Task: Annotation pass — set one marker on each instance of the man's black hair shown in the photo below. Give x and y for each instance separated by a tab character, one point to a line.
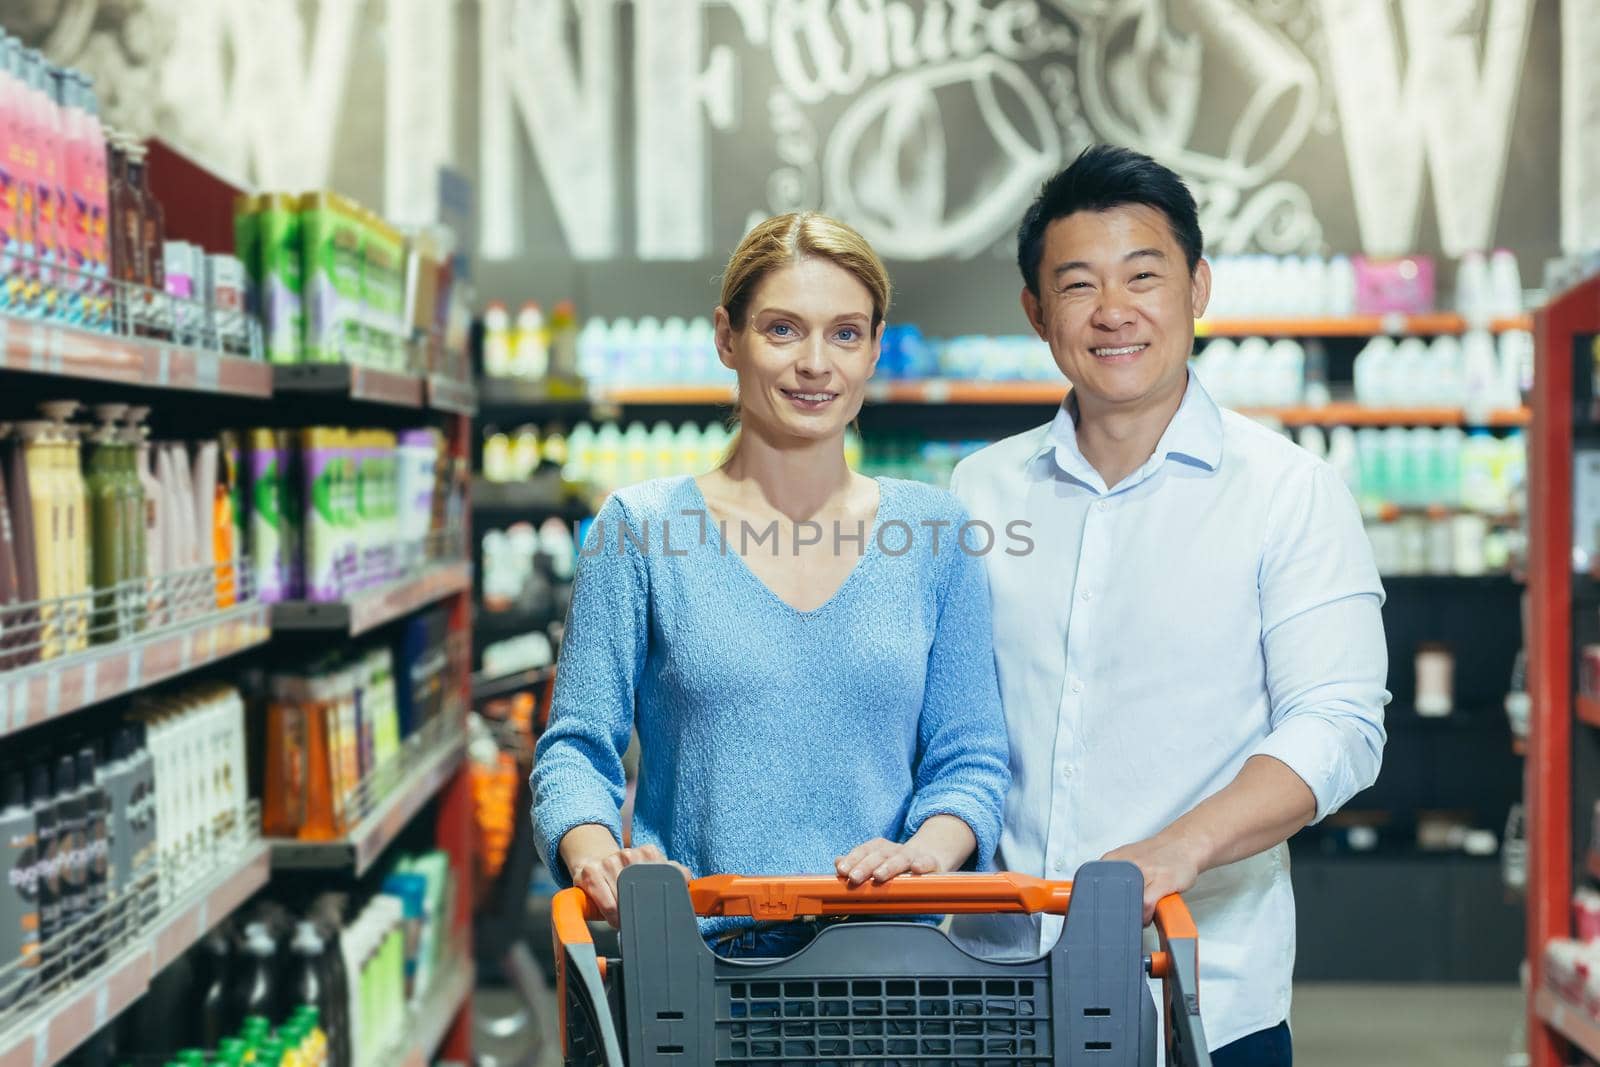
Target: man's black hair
1103	177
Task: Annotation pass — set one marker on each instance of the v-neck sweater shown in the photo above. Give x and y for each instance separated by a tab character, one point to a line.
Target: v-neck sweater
773	740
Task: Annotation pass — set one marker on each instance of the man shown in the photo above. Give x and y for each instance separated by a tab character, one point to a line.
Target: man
1192	657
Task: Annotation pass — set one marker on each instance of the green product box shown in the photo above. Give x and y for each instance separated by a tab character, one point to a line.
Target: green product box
332	236
283	278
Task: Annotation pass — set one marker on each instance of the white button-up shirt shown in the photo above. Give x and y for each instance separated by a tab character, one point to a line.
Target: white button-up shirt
1219	603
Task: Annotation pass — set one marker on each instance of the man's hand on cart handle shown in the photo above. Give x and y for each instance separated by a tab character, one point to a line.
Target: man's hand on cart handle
595	866
1169	865
941	844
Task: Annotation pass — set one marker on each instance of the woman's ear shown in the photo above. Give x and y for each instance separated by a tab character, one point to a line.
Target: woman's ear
877	348
723	328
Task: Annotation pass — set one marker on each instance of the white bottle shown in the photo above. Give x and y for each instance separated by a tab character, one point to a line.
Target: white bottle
1314	441
1314	299
1450	440
580	453
497	341
1288	378
530	354
663	451
1480	372
687	446
1473	301
714	445
700	354
555	541
1370	370
1422	463
1252	364
1214	367
671	355
1479	459
524	453
1343	457
607	469
1341	290
1505	284
621	357
593	341
635	454
1444	370
1408	386
647	351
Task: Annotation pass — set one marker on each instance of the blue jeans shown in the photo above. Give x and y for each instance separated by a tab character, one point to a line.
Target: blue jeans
1264	1048
774	941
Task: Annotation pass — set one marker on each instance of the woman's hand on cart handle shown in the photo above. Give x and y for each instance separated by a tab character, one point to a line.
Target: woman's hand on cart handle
595	869
941	844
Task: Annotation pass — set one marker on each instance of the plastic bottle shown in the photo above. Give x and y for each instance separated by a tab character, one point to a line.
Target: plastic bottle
497	341
49	524
1479	458
106	512
11	633
593	341
19	912
1505	284
96	165
218	956
47	838
530	354
1480	375
153	228
22	625
47	186
96	848
28	134
564	340
1450	441
268	469
1341	287
647	365
1409	386
254	993
71	804
11	149
1472	289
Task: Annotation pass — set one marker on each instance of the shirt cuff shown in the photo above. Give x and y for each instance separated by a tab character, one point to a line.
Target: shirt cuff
977	814
1314	748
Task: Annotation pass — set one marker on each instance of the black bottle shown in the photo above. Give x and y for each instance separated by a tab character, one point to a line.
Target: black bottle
69	847
95	859
47	846
214	1019
19	910
255	993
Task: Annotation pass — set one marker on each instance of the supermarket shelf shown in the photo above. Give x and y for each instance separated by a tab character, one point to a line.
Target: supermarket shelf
49	348
357	851
50	1033
1393	324
1570	1020
1360	415
43	691
664	395
516	393
492	688
536	497
1588	709
429	1022
350	382
372	608
448	394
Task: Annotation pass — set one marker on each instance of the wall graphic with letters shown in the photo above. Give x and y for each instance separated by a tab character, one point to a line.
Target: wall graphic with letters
647	133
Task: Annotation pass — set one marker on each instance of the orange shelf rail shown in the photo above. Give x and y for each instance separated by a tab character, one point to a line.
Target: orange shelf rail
1394	325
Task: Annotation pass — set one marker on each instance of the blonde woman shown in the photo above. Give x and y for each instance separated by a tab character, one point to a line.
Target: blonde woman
805	652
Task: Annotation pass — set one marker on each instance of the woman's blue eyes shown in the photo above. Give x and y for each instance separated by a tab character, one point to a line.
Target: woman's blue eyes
848	335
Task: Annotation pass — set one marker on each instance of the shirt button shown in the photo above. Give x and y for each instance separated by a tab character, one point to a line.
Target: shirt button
1102	506
1077	685
1085	595
1059	866
1066	770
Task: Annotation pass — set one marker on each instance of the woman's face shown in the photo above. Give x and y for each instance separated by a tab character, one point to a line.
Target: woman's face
805	352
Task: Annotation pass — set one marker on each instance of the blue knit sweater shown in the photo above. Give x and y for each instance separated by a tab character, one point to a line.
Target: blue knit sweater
772	740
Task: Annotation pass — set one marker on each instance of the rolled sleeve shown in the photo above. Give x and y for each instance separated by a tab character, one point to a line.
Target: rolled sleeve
963	751
1323	642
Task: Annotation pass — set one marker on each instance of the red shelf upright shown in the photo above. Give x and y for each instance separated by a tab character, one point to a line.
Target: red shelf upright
1548	783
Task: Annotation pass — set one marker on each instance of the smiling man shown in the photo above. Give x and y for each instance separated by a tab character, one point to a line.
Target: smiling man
1192	658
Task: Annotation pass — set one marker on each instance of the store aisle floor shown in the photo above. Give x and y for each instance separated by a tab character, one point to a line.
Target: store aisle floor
1340	1025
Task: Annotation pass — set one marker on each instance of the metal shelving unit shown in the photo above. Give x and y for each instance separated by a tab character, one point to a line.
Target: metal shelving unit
1563	771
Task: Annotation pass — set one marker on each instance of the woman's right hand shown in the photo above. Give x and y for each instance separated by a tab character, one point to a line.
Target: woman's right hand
595	862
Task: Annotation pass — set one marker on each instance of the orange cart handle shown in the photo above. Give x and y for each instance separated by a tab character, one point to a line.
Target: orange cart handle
781	898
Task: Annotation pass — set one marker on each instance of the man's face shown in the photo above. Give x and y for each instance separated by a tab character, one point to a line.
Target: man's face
1117	305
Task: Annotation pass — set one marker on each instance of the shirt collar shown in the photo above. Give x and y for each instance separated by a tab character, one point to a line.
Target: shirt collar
1194	435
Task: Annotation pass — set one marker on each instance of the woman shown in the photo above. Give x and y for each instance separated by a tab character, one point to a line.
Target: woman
809	692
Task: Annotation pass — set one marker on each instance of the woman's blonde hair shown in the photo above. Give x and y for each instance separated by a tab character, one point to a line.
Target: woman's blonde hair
786	239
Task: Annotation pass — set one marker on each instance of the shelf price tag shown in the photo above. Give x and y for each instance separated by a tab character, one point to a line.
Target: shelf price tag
163	366
91	680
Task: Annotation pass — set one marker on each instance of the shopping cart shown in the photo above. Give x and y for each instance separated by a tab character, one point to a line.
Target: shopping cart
877	993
